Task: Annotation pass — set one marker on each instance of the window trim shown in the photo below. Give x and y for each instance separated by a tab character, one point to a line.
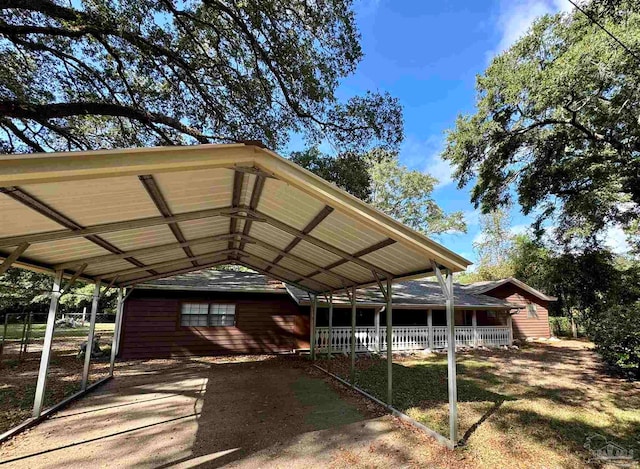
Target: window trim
532	314
209	304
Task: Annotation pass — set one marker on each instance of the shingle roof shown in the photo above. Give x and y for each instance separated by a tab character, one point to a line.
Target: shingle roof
488	285
217	280
414	292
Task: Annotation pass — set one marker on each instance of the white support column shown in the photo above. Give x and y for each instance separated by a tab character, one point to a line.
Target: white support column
474	323
46	347
330	325
376	326
313	311
116	331
389	343
126	295
510	324
92	328
430	327
451	361
353	336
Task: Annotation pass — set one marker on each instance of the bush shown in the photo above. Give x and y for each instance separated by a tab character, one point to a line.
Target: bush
617	338
561	327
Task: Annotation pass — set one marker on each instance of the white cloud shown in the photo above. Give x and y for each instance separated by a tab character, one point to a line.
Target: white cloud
424	155
518	229
516	17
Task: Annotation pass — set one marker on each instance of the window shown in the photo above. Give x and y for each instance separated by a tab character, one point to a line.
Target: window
491	314
532	313
204	314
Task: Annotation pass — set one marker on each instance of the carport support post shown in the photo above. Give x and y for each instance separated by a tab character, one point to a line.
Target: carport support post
92	328
46	346
389	340
116	331
312	326
376	326
474	323
430	329
353	336
451	360
330	325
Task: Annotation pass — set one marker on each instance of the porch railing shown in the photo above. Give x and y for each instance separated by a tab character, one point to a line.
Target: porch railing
410	338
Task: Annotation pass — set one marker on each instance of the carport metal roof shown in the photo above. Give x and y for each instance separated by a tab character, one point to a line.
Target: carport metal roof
132	215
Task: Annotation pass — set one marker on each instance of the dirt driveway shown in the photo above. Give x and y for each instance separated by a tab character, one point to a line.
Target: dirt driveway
207	413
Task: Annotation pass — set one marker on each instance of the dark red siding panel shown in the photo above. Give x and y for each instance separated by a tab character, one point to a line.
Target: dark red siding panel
523	326
265	323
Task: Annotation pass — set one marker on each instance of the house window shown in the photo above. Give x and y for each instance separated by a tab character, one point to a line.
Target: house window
205	314
532	313
491	314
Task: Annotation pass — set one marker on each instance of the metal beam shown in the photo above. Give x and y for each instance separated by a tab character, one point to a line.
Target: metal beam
238	180
321	244
389	313
324	213
151	186
108	258
46	346
289	272
330	346
256	193
313	312
115	226
116	331
451	362
302	261
173	272
11	258
248	265
163	264
90	335
74	277
353	336
45	210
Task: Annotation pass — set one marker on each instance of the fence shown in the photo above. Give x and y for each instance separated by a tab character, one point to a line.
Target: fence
410	338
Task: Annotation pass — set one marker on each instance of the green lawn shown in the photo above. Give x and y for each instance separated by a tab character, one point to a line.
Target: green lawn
535	407
14	331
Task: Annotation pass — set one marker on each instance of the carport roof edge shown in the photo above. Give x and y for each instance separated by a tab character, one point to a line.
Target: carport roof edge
249	163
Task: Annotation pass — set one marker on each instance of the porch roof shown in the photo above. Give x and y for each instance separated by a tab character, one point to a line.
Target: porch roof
130	215
412	293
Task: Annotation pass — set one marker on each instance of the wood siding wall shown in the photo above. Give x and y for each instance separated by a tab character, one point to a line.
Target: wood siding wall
523	326
265	323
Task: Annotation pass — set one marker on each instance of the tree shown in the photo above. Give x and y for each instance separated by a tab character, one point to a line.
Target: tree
406	195
349	171
557	124
493	248
95	74
379	178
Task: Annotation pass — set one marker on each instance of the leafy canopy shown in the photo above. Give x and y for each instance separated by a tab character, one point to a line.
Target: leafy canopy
556	125
379	178
101	73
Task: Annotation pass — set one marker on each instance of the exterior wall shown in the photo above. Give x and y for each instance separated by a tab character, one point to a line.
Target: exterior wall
523	326
265	323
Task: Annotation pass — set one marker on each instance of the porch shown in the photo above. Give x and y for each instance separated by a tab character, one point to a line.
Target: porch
372	339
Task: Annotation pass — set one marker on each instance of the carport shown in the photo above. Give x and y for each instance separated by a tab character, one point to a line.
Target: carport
121	217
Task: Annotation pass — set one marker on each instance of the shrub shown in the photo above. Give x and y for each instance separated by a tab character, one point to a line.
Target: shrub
561	327
616	334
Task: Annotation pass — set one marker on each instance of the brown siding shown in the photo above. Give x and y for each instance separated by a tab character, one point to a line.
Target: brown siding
265	323
523	326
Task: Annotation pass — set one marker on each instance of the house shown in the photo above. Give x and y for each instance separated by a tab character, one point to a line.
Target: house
216	312
531	319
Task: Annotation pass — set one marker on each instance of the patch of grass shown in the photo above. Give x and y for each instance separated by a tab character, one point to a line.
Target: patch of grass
14	331
326	408
533	407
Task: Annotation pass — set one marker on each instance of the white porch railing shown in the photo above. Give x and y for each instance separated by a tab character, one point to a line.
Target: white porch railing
410	338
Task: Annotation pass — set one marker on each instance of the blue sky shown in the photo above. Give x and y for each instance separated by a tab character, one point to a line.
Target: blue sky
427	54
